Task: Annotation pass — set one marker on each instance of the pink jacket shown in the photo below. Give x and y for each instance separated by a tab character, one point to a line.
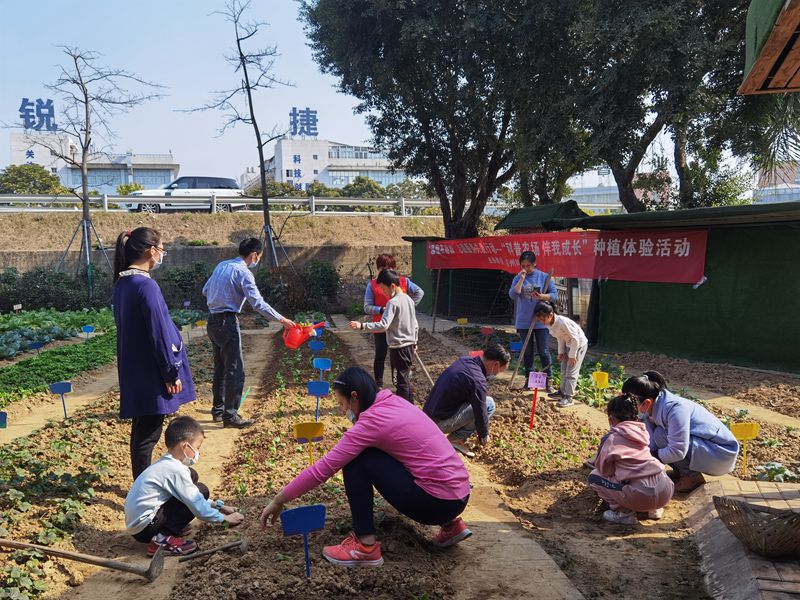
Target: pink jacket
402	430
625	455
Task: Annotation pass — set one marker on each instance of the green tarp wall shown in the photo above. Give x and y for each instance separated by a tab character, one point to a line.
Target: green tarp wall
747	313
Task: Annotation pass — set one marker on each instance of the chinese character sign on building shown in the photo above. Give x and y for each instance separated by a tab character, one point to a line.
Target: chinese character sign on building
38	115
657	256
303	121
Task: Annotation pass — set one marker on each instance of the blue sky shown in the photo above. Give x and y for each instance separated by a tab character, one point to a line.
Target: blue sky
177	44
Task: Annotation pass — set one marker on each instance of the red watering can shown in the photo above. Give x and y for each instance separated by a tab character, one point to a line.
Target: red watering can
296	336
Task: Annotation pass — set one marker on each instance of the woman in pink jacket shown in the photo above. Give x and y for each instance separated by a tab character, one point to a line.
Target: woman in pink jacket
626	475
396	449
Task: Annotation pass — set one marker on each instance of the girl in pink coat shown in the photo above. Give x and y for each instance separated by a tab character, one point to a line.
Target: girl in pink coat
626	475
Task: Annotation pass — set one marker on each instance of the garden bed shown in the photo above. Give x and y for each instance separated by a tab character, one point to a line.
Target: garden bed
540	476
267	458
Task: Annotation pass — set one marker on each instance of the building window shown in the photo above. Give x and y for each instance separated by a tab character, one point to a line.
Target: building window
289	172
315	156
53	170
316	171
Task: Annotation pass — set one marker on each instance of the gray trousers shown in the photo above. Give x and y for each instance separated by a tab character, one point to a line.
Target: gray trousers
462	423
569	375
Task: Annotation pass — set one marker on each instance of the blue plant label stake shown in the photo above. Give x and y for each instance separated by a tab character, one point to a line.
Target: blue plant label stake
318	389
316	346
323	364
61	388
35	346
3	419
186	304
87	329
301	521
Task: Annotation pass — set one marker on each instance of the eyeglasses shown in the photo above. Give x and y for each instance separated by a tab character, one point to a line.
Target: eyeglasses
160	249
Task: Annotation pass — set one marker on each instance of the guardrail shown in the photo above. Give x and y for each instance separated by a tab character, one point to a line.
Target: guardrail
213	203
314	205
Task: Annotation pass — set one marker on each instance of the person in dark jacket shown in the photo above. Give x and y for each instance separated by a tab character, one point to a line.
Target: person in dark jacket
458	403
153	368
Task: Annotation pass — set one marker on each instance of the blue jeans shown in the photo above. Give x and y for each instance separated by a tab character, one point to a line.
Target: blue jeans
462	423
540	340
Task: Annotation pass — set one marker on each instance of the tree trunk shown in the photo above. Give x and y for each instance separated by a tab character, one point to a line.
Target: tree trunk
627	195
685	188
525	187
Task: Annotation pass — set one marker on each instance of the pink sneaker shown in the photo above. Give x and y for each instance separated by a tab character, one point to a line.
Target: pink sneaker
352	553
173	546
452	533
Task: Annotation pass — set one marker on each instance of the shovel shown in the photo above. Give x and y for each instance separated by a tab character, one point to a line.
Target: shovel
149	572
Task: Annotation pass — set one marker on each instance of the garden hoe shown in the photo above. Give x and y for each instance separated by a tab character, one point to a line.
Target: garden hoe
150	572
241	544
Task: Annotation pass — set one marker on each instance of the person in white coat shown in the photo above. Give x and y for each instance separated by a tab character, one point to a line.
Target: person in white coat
572	345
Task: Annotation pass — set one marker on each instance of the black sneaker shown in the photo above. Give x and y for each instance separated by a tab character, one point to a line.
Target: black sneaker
216	418
238	423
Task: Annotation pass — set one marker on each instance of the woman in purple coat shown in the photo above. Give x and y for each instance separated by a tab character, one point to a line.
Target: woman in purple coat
154	377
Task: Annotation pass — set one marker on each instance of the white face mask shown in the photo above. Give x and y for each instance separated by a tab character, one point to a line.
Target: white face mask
253	264
191	461
158	261
351	416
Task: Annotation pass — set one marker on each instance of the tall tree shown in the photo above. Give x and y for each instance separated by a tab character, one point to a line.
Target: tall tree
428	78
91	95
255	68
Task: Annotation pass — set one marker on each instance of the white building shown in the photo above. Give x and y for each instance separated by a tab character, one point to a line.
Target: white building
595	191
300	162
106	170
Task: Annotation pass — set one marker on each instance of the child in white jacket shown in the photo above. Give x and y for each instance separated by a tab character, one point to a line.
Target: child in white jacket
572	345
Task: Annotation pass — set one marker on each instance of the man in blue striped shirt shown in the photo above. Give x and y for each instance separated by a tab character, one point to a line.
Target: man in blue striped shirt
230	285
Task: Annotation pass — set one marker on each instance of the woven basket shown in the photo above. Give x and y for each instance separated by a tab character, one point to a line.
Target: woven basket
767	531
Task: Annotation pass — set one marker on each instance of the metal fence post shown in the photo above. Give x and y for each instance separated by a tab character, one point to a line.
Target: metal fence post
213	203
105	202
311	204
402	206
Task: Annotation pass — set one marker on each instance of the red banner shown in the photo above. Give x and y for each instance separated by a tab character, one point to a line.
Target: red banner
641	255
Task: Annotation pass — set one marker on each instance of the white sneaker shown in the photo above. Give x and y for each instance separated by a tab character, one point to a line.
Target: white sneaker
564	403
655	514
621	518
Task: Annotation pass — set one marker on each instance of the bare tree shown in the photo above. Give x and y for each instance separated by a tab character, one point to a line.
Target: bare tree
255	70
91	95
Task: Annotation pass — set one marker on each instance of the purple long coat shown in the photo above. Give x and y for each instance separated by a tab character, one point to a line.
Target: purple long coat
150	350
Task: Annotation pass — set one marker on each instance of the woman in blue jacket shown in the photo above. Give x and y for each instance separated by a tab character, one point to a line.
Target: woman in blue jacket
527	290
154	377
683	434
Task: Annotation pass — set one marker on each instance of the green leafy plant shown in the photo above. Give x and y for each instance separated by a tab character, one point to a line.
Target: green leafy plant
775	471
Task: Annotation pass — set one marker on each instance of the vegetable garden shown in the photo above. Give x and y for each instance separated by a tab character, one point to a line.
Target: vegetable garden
64	484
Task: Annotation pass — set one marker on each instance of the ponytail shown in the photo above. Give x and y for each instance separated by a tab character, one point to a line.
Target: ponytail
544	308
624	407
649	385
131	246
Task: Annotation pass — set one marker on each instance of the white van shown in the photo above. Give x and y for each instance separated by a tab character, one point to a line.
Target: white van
189	187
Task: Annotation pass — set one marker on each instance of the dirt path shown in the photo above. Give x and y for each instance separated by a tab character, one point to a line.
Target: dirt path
33	413
26	416
510	563
217	448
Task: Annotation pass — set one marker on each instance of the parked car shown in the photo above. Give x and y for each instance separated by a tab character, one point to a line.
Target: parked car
188	187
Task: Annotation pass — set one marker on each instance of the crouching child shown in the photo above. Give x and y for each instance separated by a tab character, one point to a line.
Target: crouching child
167	496
626	474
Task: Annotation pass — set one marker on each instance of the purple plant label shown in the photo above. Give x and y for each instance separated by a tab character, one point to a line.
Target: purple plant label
537	380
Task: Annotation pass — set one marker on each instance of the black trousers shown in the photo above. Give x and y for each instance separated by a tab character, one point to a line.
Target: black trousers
375	468
400	360
226	340
381	349
145	433
173	516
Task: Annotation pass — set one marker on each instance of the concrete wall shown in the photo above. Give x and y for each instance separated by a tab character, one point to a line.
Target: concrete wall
351	262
